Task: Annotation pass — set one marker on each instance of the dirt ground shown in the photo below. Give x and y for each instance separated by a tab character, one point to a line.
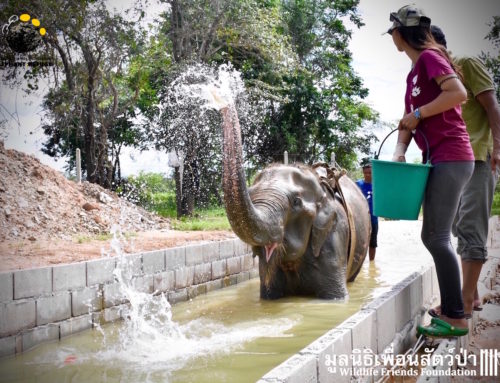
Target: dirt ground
24	254
46	219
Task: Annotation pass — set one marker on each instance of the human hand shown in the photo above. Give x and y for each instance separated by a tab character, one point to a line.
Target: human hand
495	159
399	152
409	122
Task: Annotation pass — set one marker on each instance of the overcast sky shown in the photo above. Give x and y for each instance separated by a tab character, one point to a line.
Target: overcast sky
382	68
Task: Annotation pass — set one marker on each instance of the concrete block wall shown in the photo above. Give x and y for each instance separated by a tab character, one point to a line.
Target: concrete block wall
384	326
48	303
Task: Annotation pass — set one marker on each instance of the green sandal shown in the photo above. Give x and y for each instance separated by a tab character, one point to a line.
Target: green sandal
441	329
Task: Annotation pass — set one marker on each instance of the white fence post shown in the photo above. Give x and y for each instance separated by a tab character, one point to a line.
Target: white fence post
285	157
78	166
332	159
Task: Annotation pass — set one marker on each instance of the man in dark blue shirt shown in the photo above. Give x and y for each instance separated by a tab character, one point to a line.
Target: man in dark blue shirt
366	187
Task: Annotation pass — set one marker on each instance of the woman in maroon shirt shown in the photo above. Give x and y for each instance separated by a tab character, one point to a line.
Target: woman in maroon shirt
432	107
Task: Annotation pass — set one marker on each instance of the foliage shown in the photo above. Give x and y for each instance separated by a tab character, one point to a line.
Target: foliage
203	219
152	191
492	62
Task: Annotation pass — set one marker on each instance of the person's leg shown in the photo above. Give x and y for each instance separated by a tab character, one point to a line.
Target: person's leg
373	241
444	188
472	229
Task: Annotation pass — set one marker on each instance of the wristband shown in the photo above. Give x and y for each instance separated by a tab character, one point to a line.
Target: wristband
417	114
400	151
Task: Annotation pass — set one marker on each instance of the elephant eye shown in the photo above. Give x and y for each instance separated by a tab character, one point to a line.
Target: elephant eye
297	202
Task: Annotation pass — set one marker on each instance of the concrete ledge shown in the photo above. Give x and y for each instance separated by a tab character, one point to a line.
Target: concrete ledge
385	325
45	304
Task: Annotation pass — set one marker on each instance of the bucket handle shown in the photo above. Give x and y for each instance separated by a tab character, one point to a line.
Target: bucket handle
413	133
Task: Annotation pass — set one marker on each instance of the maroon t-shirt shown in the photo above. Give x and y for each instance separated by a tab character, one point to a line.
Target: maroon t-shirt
446	132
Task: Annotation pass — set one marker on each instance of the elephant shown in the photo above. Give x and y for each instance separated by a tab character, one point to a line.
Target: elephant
308	225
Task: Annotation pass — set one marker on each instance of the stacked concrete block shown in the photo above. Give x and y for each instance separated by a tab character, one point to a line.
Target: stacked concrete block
6	286
384	326
48	303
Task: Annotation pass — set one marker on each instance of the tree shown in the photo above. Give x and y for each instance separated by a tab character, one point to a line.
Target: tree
92	106
491	62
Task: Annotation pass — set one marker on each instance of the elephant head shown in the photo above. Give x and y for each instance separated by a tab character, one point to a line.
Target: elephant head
296	223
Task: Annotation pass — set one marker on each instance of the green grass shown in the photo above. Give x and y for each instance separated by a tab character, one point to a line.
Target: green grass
99	237
495	209
206	219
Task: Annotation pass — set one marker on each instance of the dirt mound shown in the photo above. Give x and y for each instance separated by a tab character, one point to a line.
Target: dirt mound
38	203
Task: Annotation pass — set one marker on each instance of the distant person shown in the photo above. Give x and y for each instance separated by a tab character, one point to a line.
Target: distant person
432	106
481	114
365	185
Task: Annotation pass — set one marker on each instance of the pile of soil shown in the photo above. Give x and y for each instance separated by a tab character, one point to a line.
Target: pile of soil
46	218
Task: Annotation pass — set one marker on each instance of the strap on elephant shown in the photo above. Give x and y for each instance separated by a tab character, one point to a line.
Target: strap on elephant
332	184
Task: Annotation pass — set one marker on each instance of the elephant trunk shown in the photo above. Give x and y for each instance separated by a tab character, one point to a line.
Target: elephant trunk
245	219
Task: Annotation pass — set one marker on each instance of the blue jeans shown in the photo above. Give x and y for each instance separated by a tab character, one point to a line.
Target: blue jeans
444	188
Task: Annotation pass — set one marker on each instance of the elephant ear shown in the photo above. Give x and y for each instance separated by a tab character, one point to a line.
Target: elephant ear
324	221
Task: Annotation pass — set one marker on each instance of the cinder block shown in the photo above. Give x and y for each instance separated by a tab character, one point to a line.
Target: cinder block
100	271
416	297
226	249
427	297
38	335
254	273
164	281
184	277
202	273
113	295
247	262
130	265
75	325
297	369
143	284
194	291
86	300
233	265
175	258
386	322
218	269
363	329
6	287
331	351
177	296
210	252
16	316
153	261
403	309
114	313
240	247
194	255
32	282
242	277
53	308
214	285
69	277
7	346
230	280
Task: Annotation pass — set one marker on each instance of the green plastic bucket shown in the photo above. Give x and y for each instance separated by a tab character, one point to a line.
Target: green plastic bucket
398	187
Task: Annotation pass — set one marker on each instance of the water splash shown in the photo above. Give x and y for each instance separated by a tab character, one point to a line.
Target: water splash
150	341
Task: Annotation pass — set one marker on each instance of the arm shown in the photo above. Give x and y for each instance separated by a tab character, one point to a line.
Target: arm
452	93
489	102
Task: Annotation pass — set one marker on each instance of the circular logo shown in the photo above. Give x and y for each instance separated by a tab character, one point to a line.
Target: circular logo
23	33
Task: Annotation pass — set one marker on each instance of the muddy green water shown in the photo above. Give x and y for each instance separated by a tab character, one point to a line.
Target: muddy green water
228	335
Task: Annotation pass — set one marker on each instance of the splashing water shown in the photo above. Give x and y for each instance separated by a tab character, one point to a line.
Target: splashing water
149	339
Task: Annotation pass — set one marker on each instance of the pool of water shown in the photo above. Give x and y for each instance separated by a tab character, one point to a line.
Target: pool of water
228	335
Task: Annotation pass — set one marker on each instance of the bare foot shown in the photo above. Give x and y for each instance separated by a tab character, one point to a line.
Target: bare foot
459	323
